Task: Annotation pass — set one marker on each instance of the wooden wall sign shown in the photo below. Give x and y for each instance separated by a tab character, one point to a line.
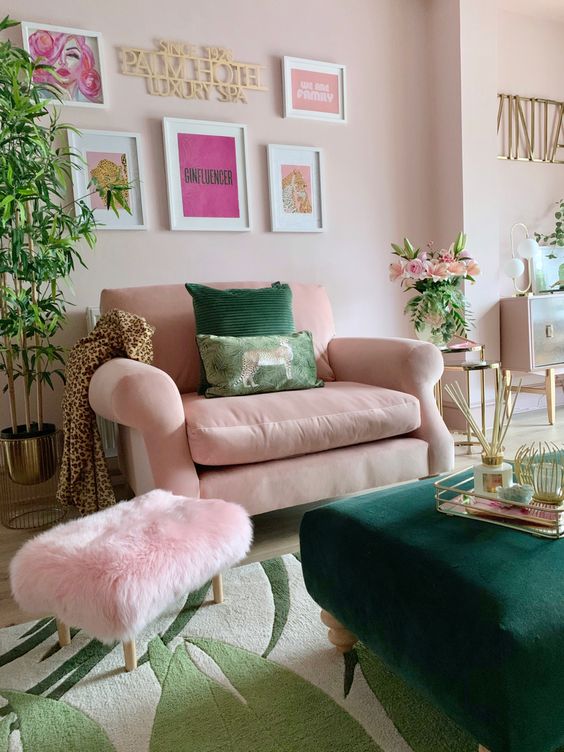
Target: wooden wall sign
191	72
530	129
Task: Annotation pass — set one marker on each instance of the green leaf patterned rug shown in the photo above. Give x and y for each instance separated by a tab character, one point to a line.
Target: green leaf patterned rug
254	674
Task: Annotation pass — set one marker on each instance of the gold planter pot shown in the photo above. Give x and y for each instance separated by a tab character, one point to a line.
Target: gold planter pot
29	471
33	459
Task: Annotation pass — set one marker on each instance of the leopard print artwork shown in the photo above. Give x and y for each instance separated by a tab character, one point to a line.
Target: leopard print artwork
84	480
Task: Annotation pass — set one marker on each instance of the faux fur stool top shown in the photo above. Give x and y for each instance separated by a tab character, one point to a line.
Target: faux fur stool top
115	571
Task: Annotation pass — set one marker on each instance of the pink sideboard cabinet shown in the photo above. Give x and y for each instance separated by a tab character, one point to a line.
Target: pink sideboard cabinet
532	341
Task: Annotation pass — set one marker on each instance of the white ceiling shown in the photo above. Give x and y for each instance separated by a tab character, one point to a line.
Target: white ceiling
540	8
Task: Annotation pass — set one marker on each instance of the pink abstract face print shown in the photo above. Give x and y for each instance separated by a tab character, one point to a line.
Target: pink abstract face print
75	61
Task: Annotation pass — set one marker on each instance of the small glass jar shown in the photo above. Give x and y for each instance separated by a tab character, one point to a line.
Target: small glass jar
491	473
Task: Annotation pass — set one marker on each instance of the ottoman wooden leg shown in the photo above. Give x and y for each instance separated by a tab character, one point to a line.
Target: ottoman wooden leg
338	635
217	585
63	631
130	655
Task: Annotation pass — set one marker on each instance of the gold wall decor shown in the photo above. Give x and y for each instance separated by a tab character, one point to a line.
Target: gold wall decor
530	129
191	72
541	465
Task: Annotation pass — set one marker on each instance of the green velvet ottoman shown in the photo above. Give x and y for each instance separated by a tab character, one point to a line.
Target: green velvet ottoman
470	613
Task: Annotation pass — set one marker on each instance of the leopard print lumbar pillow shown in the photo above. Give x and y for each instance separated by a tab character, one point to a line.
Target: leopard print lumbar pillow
236	366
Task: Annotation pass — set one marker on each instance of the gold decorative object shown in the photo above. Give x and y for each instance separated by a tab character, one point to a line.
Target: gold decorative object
191	72
541	465
455	495
34	459
23	506
530	128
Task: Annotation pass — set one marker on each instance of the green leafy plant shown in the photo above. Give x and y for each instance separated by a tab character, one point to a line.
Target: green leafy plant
40	230
439	306
556	238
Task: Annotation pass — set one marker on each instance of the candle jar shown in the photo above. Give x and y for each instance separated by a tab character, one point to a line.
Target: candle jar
491	473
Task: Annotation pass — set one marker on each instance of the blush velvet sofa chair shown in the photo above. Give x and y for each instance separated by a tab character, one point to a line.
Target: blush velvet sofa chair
375	421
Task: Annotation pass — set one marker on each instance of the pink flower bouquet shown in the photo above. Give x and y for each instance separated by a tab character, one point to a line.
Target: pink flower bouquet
439	310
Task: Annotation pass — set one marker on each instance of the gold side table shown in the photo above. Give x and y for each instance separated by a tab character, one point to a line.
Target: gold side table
457	346
468	368
461	345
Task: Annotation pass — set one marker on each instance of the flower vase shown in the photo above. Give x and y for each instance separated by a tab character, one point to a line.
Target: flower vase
432	330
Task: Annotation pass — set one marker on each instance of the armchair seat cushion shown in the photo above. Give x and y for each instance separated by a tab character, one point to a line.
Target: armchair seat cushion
262	427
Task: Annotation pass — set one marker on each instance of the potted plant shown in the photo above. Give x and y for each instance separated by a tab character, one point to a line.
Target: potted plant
439	309
554	241
40	232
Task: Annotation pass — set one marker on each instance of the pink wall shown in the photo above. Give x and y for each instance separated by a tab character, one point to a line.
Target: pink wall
531	61
446	131
377	166
478	54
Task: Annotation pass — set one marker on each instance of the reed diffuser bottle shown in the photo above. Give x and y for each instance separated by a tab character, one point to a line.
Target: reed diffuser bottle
492	472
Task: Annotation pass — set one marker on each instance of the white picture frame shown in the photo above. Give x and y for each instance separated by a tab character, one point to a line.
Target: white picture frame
122	150
86	85
296	183
207	175
314	90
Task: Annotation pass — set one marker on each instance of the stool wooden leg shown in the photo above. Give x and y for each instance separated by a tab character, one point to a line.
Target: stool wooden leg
130	655
217	585
338	635
550	388
63	631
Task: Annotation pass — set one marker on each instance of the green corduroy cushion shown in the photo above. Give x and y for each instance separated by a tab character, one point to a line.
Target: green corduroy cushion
236	366
241	312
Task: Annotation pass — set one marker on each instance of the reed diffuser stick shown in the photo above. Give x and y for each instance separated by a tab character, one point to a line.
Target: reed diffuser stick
503	414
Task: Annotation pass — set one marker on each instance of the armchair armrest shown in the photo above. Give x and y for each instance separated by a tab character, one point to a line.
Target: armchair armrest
405	365
143	397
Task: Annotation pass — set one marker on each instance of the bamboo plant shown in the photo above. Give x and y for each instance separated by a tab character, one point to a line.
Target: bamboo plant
40	232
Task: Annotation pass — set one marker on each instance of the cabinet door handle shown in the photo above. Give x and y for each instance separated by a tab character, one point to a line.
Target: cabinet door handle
549	330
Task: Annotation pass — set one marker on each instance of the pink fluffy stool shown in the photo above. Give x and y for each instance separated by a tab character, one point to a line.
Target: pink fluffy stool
115	571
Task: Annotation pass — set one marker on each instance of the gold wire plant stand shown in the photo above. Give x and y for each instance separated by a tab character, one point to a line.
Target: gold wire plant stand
29	507
455	495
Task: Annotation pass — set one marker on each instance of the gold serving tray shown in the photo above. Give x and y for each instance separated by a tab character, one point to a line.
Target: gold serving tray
455	495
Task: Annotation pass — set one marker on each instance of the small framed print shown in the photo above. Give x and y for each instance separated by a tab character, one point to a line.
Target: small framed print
77	58
206	168
314	90
295	176
111	158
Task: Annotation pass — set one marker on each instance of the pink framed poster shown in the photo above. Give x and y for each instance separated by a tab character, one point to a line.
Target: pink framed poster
76	58
314	90
206	165
296	188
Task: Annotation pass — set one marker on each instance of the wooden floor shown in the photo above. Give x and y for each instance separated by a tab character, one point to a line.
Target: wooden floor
276	533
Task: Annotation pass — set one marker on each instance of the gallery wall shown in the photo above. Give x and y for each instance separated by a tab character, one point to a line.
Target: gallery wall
377	164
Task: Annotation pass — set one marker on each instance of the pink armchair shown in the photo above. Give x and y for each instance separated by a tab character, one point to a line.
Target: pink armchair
375	422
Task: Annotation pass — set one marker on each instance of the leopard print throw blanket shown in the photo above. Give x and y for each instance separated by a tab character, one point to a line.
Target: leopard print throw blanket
84	480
